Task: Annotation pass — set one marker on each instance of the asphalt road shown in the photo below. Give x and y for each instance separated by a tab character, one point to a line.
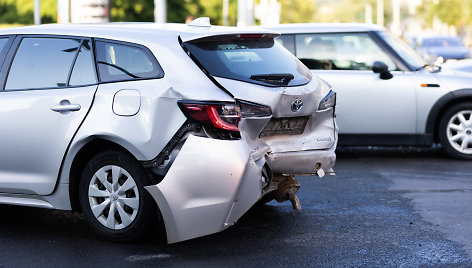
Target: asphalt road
389	207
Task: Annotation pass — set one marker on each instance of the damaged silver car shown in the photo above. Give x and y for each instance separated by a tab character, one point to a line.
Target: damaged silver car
146	125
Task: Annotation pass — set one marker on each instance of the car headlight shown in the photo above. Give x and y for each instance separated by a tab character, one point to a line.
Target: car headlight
328	101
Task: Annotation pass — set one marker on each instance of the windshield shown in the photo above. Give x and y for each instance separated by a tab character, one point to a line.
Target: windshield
254	58
403	50
442	42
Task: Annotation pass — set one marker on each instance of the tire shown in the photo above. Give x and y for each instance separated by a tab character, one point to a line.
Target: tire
135	212
455	131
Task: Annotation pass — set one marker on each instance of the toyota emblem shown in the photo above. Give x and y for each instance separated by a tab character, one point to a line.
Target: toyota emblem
297	105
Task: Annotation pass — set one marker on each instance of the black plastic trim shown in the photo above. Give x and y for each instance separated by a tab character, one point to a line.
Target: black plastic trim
444	103
188	126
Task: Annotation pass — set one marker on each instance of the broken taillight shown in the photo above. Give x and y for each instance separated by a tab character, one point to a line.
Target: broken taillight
223	115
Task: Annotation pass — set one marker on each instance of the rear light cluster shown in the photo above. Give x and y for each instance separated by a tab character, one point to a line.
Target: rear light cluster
223	115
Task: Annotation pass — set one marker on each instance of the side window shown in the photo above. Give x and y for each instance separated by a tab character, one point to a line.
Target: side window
42	63
117	61
3	42
288	41
83	73
344	51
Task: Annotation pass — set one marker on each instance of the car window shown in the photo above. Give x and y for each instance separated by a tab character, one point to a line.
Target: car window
288	41
253	58
83	73
125	62
340	51
42	63
406	52
3	42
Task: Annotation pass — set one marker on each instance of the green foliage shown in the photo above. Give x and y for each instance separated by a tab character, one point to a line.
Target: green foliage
22	11
296	11
456	13
349	10
136	10
143	10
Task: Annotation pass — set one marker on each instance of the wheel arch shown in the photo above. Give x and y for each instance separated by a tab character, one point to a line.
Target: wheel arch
84	154
441	105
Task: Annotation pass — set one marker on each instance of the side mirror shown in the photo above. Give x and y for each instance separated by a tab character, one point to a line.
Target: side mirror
381	68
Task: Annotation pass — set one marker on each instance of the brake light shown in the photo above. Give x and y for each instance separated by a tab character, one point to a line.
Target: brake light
223	116
247	36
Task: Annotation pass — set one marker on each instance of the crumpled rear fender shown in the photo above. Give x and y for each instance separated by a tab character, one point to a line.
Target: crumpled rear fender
210	185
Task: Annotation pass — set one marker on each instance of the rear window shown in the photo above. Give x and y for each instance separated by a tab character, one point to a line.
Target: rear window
252	58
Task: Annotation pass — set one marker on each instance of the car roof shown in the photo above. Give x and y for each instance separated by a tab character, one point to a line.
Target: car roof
120	30
324	27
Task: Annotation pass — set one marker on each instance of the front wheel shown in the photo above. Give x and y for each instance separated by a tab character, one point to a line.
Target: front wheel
455	131
113	199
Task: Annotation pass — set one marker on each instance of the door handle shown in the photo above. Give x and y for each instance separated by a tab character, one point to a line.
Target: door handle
66	107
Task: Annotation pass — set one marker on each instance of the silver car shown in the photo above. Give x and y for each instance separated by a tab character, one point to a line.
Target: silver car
138	125
386	94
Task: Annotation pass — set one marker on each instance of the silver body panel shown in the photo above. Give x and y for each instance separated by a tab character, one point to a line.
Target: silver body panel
210	184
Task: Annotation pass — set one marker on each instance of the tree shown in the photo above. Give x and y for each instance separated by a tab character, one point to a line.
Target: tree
22	11
452	12
143	10
295	11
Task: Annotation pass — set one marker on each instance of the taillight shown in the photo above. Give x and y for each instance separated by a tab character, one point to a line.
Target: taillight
221	115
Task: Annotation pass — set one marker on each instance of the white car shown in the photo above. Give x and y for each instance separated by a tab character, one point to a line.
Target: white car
386	94
138	125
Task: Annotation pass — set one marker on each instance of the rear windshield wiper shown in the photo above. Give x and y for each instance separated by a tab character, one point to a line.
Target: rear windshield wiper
277	79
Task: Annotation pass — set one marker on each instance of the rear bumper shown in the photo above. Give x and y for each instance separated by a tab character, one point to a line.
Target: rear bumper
210	185
303	162
212	182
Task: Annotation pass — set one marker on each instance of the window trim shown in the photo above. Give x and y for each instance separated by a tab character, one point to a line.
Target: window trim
14	49
145	49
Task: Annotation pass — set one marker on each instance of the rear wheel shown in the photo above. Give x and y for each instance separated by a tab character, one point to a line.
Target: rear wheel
455	131
113	199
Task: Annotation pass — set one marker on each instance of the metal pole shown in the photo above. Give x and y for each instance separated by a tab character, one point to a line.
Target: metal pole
160	11
225	12
380	12
396	27
242	12
37	12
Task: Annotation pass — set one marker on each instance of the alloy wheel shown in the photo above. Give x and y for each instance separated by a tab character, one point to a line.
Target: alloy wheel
459	131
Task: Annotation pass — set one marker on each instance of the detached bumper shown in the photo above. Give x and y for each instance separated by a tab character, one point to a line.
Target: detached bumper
210	185
302	162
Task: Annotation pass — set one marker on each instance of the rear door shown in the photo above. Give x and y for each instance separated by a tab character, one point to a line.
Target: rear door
48	87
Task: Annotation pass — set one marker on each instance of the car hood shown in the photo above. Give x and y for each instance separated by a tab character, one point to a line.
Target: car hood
453	80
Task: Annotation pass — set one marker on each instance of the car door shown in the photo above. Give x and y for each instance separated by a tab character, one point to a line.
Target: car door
366	104
48	87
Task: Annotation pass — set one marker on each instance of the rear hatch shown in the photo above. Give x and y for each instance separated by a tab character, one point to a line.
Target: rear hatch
253	67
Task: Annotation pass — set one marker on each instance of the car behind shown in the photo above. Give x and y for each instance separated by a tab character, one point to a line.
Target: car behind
387	95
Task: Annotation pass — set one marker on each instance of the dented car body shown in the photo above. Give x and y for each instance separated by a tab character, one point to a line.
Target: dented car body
189	124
